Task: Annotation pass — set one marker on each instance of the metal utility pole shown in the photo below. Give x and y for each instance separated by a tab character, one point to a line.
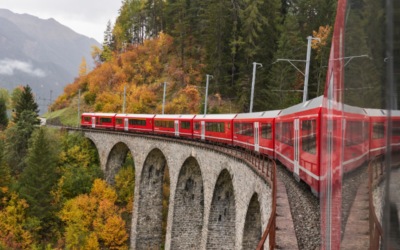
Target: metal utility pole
205	101
307	61
50	103
252	85
79	107
163	102
124	99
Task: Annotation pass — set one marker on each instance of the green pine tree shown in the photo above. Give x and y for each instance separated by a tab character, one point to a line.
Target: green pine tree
3	114
284	77
17	140
39	177
5	178
26	102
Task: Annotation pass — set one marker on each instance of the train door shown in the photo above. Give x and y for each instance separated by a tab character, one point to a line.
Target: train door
203	130
296	149
176	128
93	122
256	137
126	124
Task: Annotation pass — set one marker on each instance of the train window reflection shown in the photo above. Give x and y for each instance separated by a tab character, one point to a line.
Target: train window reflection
266	131
309	136
396	128
246	129
285	133
354	133
378	130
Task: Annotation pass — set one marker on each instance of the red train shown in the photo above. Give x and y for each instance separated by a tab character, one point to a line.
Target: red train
292	135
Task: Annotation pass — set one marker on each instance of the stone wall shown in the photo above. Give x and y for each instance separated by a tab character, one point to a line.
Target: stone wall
198	177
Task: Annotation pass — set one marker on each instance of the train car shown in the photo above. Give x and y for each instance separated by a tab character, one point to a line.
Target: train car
395	139
135	122
297	141
217	128
255	131
176	125
98	120
377	131
356	137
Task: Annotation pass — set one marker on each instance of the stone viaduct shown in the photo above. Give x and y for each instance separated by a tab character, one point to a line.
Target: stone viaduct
217	201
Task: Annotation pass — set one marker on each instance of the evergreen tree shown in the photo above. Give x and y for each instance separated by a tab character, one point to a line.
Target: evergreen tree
39	178
3	114
17	139
26	102
284	77
107	36
5	178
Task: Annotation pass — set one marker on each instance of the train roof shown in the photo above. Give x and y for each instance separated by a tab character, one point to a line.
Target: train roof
376	112
310	104
354	110
174	116
382	112
265	114
100	114
136	115
215	117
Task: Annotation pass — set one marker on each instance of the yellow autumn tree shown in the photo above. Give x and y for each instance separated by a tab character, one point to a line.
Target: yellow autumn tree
94	221
83	68
322	34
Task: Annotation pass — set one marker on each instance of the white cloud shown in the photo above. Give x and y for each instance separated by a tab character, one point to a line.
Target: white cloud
7	67
88	17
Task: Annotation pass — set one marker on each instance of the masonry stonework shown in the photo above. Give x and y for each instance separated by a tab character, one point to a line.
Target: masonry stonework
187	223
222	219
213	165
149	222
252	227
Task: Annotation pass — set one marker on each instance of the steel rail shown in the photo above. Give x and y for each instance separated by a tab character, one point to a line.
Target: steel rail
266	168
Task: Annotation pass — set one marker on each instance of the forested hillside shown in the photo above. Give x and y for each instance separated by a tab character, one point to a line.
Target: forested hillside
52	190
180	41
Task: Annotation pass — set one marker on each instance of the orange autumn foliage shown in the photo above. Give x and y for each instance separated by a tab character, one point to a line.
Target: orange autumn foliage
141	68
94	220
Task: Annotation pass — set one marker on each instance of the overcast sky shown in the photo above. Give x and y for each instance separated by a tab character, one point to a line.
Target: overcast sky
86	17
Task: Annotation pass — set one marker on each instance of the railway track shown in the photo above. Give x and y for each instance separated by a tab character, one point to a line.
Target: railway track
305	210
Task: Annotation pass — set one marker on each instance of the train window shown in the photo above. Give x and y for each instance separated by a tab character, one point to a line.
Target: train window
105	120
164	124
366	131
137	122
229	125
87	118
396	128
119	121
197	126
266	131
215	127
354	135
309	136
378	130
284	133
246	129
185	125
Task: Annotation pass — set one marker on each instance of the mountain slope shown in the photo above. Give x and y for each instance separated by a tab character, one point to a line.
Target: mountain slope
54	41
42	53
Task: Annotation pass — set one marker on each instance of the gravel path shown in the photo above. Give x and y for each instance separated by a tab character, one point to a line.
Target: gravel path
304	207
350	183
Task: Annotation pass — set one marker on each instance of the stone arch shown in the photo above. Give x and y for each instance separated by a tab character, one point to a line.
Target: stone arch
252	228
222	218
187	223
116	158
150	201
